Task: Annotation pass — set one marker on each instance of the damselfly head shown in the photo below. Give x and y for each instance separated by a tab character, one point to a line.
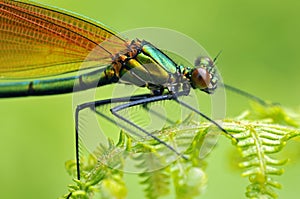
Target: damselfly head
203	75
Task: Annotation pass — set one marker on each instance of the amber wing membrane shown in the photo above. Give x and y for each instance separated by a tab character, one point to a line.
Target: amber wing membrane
39	41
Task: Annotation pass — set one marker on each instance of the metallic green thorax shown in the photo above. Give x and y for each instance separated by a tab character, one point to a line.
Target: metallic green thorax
146	66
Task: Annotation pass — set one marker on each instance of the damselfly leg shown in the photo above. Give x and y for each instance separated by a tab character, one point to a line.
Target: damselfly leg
130	102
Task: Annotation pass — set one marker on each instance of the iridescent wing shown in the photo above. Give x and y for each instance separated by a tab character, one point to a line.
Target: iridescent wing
40	41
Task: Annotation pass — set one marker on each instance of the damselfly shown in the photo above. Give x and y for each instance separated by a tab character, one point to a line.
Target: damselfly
46	43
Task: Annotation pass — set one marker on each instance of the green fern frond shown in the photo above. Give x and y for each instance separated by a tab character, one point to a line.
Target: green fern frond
188	177
98	176
156	183
262	133
152	170
273	114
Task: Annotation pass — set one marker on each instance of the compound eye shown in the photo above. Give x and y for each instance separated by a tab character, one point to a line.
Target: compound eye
200	78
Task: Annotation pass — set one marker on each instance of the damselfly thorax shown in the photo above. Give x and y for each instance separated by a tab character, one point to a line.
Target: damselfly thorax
144	65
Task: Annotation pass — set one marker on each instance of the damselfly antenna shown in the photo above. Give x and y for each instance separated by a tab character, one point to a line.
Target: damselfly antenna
240	91
217	56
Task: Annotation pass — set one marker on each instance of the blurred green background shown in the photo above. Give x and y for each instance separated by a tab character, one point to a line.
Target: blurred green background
260	42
